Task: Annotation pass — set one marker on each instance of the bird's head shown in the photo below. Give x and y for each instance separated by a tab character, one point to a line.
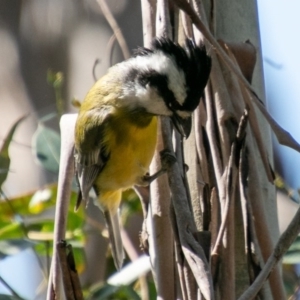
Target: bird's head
166	80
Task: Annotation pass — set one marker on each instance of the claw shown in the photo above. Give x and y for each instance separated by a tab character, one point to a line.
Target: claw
167	159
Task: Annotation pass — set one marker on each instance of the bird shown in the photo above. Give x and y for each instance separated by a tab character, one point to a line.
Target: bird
116	127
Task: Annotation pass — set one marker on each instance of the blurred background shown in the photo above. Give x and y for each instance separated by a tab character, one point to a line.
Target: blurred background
39	38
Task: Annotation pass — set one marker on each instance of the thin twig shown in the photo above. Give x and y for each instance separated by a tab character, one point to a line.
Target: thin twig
241	93
10	288
192	250
280	249
284	137
249	227
96	63
110	48
211	134
231	178
115	27
186	7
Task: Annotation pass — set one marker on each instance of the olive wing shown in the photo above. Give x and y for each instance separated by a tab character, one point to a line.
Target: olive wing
90	156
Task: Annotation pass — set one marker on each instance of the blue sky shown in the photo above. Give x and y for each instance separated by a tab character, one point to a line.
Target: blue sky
279	26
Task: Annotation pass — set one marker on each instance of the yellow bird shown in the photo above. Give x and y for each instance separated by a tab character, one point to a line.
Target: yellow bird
116	128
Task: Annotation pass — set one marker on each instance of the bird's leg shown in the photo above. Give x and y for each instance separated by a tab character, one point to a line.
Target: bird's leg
167	160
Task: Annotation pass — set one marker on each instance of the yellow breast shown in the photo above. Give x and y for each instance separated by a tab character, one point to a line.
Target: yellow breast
131	144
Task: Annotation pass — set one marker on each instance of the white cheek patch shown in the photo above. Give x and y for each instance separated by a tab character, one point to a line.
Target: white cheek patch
164	65
136	95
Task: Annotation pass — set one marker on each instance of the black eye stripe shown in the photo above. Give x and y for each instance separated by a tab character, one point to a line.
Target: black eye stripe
160	82
195	64
193	61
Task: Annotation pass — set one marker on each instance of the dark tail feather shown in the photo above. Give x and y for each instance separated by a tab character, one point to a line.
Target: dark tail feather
78	201
112	221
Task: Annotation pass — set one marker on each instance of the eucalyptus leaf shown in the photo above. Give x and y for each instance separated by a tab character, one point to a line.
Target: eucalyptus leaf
11	230
46	145
4	155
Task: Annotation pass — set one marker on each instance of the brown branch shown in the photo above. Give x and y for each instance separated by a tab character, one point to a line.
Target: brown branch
192	250
71	282
231	179
186	7
284	137
246	52
280	249
211	134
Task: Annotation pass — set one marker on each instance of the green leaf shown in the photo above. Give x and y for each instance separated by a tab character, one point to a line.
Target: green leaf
4	156
11	230
46	144
28	204
35	211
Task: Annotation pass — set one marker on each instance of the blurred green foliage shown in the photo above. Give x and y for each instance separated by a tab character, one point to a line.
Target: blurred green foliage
27	220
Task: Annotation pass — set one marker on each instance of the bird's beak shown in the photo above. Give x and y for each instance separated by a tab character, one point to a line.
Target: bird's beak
183	125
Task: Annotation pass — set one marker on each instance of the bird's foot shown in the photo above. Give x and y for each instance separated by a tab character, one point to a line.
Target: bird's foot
167	160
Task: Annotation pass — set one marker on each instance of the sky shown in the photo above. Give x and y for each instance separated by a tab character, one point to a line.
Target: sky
279	26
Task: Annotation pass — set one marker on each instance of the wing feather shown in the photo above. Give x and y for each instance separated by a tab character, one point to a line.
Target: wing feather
89	155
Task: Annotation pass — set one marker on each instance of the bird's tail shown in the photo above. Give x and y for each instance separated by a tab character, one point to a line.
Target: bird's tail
113	225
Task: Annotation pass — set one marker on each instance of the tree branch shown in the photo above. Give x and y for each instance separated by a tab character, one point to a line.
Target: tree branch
66	173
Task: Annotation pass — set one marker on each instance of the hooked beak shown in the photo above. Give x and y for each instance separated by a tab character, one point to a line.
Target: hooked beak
183	125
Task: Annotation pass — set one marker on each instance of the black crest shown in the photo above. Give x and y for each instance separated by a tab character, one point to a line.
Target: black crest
194	62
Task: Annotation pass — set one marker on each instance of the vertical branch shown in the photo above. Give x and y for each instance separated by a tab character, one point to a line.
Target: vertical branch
158	224
193	176
163	25
192	250
66	173
148	18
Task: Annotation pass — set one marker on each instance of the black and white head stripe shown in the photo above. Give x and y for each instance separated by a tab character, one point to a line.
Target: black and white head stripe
177	75
195	64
